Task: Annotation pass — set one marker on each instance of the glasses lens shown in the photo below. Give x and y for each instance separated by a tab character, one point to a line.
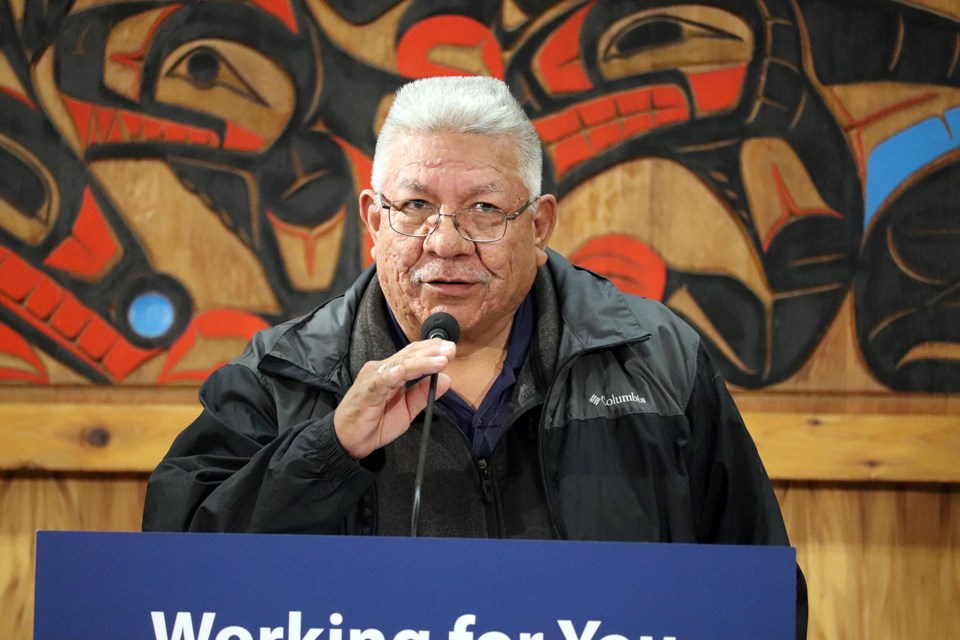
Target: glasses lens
419	219
413	218
482	224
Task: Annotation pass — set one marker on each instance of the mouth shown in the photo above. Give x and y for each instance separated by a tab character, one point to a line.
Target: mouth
451	279
451	288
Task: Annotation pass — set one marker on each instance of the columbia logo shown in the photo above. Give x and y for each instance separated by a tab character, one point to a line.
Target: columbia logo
612	400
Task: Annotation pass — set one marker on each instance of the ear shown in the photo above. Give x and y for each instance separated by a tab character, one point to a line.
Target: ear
370	213
543	223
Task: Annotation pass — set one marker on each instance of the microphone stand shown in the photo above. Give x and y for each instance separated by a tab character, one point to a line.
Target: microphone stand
438	325
421	461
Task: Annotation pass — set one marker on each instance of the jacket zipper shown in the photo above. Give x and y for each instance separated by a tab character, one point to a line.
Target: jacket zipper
491	497
486	484
488	488
558	528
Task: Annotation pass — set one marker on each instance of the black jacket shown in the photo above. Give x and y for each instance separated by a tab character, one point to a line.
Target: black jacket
620	428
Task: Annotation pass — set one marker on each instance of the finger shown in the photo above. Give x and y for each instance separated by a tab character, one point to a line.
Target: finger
388	377
386	382
426	348
418	394
407	365
415	367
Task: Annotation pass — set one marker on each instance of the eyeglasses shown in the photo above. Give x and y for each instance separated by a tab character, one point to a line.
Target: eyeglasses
418	219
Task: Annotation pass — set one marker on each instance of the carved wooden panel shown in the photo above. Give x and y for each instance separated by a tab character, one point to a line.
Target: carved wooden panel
177	175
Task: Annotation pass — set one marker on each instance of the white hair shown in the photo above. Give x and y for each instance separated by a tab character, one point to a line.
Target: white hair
460	105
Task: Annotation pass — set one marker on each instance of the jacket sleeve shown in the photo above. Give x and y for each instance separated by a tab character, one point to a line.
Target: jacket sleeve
734	499
235	470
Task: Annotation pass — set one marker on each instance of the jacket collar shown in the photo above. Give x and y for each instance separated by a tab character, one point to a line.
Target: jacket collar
594	313
314	348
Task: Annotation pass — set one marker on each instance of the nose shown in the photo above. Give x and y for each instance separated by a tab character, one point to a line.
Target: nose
445	240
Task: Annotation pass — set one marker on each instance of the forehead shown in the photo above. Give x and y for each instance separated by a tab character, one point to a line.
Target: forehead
472	163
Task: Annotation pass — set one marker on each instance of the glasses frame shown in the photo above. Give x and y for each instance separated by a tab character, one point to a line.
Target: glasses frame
507	217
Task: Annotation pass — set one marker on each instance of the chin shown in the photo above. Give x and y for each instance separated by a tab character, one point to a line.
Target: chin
464	318
461	317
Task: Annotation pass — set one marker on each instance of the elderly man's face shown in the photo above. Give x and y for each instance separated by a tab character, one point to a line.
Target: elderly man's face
481	284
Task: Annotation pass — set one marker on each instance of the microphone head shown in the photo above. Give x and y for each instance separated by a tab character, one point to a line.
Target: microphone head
440	325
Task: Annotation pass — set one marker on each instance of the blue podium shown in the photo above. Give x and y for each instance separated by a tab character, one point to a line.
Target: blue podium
171	586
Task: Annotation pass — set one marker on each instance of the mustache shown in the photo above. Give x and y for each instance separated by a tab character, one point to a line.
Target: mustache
450	272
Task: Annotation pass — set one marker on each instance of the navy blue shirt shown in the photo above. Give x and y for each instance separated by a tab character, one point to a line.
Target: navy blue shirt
483	426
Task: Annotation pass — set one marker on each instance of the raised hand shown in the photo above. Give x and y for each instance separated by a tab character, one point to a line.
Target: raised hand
379	407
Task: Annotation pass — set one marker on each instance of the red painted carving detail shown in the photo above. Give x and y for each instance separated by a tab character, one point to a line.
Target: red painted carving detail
415	47
98	125
97	338
17	278
56	313
91	245
281	10
45	297
717	90
70	318
13	345
579	132
217	323
239	139
627	262
559	61
13	93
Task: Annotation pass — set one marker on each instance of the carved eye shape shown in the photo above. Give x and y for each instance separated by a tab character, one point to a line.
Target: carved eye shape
651	33
655	32
688	38
205	68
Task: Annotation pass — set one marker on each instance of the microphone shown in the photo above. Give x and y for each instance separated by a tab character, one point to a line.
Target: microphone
438	325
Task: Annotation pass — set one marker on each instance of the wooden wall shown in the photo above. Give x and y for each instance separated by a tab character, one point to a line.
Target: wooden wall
768	170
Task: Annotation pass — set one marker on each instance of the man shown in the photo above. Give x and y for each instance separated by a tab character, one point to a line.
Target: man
568	409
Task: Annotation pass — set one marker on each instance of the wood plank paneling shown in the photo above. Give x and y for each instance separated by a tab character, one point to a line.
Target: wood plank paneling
882	560
795	445
91	437
31	501
813	446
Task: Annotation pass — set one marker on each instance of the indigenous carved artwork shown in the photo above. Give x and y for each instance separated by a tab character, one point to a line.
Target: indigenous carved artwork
176	175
